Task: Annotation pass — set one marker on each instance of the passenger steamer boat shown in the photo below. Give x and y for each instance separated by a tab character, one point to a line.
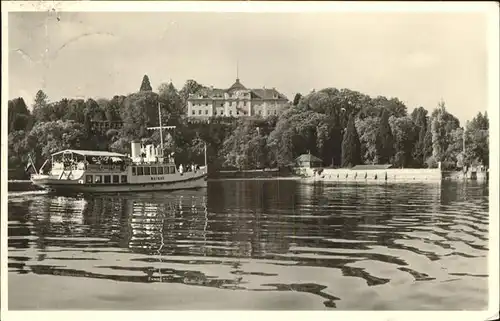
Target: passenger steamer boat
99	171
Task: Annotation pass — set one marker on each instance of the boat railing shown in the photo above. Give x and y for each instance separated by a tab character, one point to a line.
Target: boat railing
107	168
68	167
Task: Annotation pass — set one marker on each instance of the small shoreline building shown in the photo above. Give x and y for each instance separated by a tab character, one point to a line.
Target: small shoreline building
236	101
308	161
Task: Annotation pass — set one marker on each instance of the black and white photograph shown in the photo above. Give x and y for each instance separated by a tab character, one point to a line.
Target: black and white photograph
249	156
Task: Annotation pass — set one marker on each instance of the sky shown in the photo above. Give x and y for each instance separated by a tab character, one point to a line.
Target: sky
419	58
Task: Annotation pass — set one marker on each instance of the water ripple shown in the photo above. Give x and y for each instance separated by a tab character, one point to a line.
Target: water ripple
335	242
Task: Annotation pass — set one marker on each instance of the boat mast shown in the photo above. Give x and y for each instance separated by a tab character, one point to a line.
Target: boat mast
206	165
161	129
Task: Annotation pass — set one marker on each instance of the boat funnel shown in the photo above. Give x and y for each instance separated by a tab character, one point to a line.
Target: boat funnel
135	147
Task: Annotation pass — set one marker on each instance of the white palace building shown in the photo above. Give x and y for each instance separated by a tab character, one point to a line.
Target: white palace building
236	101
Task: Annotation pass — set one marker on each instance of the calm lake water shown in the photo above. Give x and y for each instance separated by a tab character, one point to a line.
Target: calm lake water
254	244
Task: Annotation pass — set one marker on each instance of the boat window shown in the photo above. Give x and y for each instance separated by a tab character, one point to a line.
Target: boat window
160	170
147	171
140	171
153	170
133	170
116	179
124	178
172	169
88	179
98	179
167	170
107	179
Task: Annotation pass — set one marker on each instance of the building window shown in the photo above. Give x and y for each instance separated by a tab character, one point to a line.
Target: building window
147	171
160	170
140	171
98	179
116	179
124	178
133	171
153	170
193	112
199	112
206	111
88	179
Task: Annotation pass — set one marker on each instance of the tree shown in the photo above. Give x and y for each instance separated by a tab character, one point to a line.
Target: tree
113	108
477	140
454	152
145	85
442	126
53	136
94	111
384	145
41	99
171	101
140	111
332	107
190	87
40	112
351	146
19	117
394	107
296	99
405	135
427	150
419	117
17	154
246	147
367	129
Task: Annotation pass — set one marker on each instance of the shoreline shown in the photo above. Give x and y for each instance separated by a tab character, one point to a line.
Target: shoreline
393	175
348	175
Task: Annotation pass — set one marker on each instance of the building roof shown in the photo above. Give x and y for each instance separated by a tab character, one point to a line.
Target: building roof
308	158
237	86
264	93
96	153
259	93
368	167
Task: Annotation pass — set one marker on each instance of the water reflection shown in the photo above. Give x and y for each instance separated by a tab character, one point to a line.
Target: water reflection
329	240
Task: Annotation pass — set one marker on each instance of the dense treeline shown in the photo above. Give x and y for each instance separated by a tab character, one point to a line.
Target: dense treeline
343	127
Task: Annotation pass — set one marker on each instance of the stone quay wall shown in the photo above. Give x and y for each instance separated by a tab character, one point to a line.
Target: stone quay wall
389	175
373	175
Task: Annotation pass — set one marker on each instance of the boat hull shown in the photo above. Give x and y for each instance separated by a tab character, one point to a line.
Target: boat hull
74	186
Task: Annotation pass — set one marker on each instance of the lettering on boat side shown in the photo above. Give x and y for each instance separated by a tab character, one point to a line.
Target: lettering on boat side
157	178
